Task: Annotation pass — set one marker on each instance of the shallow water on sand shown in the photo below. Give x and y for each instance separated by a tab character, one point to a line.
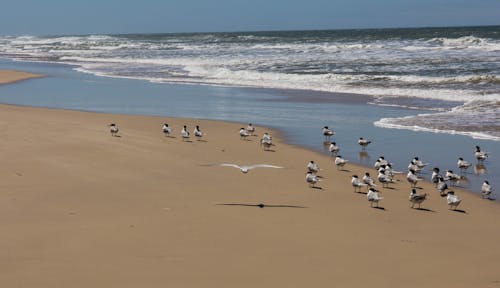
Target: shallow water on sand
300	121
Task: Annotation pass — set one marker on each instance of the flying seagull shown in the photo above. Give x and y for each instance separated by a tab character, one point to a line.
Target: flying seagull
246	169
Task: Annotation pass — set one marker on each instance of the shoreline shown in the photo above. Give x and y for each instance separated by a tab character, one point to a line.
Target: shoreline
13	76
148	209
278	132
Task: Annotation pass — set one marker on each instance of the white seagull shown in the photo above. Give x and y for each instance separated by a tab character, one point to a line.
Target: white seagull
419	163
328	133
266	141
384	179
197	132
312	179
452	177
313	167
113	129
373	196
486	189
340	162
357	184
452	200
250	129
334	149
184	133
463	165
368	180
245	169
412	178
363	142
166	129
243	134
435	175
416	198
441	186
480	155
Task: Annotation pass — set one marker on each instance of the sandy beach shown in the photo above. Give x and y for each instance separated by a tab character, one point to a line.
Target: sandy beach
79	208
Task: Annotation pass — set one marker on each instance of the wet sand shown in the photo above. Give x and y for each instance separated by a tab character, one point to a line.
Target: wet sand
80	208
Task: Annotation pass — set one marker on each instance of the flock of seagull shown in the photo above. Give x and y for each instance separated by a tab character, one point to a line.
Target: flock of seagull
386	175
384	168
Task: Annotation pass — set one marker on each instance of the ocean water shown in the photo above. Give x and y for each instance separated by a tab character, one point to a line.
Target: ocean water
298	114
449	76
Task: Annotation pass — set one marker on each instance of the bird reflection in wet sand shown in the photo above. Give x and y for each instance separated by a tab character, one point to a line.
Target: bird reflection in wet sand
480	169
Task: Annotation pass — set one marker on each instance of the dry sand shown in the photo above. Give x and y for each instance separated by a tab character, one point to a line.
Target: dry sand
79	208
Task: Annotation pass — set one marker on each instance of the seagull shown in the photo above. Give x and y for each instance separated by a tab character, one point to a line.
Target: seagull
384	179
368	180
453	200
197	132
246	169
413	166
334	149
266	141
486	189
357	184
463	165
250	129
113	129
340	162
435	175
166	130
480	155
412	178
419	163
441	186
373	196
380	162
243	134
416	198
328	133
363	142
312	179
313	167
452	177
184	133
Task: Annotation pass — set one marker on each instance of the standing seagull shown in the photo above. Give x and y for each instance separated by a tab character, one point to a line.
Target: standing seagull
166	130
384	179
416	198
357	184
480	155
452	177
486	189
246	169
373	197
412	178
312	179
441	186
266	141
463	165
368	180
243	134
334	149
113	129
184	133
197	132
340	162
363	143
453	200
250	129
435	175
328	133
313	167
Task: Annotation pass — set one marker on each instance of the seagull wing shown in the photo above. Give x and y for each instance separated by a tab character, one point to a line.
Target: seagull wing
229	165
263	166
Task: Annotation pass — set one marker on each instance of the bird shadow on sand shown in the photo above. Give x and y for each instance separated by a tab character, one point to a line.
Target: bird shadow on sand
118	136
379	208
361	192
459	211
173	137
188	141
344	170
316	187
269	150
260	205
201	140
424	209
